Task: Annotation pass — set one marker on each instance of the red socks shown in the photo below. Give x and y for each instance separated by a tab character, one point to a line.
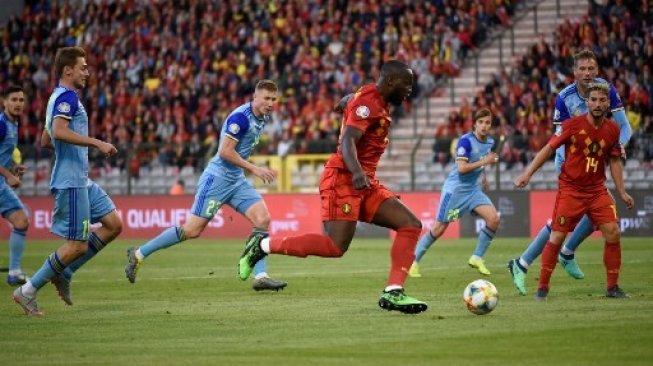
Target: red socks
305	245
612	261
402	254
549	261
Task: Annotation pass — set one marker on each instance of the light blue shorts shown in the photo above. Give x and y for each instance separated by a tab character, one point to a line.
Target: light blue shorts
9	201
213	192
72	213
101	204
454	205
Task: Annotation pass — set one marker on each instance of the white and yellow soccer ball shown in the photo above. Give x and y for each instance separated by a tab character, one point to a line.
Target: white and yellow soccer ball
481	297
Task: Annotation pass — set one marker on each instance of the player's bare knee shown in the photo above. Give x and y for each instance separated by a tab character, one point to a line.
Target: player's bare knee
340	248
414	222
192	231
612	233
115	228
263	220
21	224
493	222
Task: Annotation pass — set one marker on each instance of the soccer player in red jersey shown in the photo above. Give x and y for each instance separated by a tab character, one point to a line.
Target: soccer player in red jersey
350	192
589	141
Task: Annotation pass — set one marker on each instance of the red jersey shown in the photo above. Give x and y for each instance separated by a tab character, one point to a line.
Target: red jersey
368	112
586	150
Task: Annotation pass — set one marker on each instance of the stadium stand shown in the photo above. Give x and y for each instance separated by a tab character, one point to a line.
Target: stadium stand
166	74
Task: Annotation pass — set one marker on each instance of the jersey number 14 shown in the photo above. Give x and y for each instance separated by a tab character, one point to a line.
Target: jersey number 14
591	163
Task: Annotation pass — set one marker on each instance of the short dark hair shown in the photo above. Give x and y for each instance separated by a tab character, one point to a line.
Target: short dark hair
12	89
585	54
268	85
393	68
67	56
483	112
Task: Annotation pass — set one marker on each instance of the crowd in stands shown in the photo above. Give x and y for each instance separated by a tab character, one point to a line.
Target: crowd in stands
621	35
165	74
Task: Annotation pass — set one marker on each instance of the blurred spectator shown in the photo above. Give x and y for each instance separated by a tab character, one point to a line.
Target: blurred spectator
168	69
177	188
619	32
442	147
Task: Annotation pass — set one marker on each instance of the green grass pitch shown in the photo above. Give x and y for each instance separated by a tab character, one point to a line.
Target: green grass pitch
189	308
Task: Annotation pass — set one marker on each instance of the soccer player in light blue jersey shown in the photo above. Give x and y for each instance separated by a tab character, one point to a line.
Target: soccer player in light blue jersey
223	182
571	102
462	193
11	208
77	202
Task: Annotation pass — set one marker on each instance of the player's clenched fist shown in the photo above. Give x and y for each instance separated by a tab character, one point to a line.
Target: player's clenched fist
107	149
491	158
522	181
266	175
360	180
628	200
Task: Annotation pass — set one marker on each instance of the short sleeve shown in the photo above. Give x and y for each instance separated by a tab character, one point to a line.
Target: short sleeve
561	136
236	126
65	106
616	149
615	100
360	114
561	113
463	149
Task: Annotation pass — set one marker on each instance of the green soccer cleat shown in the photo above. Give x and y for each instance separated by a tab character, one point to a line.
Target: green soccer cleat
62	284
132	264
571	267
28	303
414	271
252	254
397	300
266	283
479	264
518	276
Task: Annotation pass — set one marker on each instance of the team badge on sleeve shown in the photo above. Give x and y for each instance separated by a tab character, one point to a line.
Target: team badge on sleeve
556	115
234	128
63	107
363	111
461	151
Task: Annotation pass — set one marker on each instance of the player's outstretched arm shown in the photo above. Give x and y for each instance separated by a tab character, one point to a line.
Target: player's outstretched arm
536	164
350	155
228	152
616	170
61	131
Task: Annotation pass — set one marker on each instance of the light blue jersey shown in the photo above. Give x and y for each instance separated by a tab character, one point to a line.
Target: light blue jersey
8	142
243	127
462	193
9	201
223	182
569	103
470	149
71	161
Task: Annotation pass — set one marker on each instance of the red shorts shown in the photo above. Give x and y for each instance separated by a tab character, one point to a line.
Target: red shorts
342	202
571	205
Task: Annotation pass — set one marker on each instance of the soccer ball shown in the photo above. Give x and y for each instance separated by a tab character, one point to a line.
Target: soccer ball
481	297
